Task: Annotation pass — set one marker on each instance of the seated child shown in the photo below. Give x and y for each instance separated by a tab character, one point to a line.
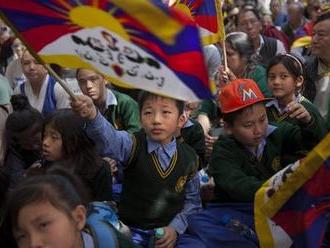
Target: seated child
160	184
50	211
23	139
243	160
285	81
65	140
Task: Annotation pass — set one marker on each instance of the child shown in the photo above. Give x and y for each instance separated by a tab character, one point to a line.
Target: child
285	80
160	185
64	140
50	211
242	161
23	139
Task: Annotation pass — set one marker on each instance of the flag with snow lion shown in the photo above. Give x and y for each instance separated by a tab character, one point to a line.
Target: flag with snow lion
292	208
138	44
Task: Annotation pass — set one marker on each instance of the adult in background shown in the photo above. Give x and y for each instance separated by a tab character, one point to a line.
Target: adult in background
42	91
318	66
6	53
14	72
294	27
279	18
249	22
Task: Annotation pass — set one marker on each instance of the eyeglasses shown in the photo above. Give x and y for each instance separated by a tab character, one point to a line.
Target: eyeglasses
246	23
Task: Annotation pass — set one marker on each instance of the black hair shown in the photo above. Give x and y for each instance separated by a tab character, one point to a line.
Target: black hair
79	150
146	95
292	63
241	43
23	118
323	17
60	188
230	118
246	8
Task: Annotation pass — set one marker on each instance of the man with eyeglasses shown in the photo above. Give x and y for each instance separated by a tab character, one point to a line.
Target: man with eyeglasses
317	87
249	22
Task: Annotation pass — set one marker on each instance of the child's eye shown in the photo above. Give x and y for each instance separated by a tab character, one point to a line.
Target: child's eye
166	112
54	136
284	76
247	125
44	225
147	112
20	237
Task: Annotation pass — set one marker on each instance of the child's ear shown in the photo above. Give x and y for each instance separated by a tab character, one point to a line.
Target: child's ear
182	120
299	82
79	216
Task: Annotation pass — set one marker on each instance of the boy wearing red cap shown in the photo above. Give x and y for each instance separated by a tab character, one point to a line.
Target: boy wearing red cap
242	161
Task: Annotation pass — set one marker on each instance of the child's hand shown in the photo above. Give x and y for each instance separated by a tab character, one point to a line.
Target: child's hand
298	111
112	164
209	142
84	106
169	238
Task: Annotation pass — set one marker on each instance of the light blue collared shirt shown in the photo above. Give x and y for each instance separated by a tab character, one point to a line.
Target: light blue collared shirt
118	145
188	123
275	103
260	149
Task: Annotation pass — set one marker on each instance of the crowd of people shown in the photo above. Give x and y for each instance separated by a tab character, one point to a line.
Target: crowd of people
114	167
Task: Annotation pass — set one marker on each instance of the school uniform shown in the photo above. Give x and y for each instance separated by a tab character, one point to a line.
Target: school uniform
161	186
276	115
51	96
122	111
192	134
238	173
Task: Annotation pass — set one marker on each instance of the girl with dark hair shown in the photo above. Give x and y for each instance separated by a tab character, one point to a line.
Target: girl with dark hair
243	62
64	140
23	139
51	211
285	80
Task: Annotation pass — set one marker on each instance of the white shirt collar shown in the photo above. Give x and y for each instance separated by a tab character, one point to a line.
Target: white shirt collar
110	98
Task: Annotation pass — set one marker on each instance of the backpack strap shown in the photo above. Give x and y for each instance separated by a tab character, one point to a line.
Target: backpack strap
102	221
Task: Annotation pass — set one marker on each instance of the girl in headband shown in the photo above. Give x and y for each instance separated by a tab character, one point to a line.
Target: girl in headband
285	75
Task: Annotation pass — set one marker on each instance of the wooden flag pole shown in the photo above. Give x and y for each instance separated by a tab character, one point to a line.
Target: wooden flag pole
60	81
222	35
224	54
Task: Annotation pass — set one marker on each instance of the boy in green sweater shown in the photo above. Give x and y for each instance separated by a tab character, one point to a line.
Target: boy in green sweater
243	160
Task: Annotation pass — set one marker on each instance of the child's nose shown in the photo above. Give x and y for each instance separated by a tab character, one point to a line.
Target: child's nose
257	129
156	118
35	241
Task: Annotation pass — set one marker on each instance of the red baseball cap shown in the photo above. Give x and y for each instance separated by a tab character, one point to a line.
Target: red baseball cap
239	94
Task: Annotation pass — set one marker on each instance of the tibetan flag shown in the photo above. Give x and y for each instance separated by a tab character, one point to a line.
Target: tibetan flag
292	207
207	15
138	44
